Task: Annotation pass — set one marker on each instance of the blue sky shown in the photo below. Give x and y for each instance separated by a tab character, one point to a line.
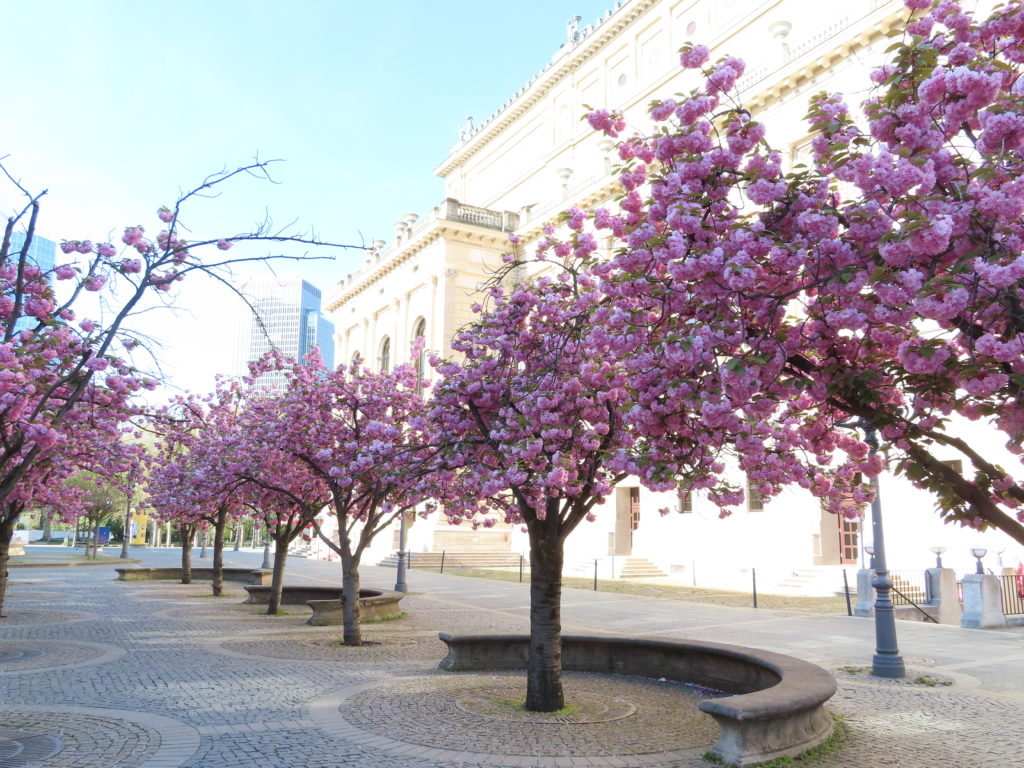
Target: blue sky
115	105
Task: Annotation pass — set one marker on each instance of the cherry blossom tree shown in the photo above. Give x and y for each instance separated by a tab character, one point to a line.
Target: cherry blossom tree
192	480
532	429
359	438
61	370
761	311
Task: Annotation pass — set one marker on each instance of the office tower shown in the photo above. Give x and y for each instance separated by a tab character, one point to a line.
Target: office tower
285	316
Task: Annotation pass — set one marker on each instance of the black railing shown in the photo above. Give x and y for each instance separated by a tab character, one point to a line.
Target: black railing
898	598
1013	594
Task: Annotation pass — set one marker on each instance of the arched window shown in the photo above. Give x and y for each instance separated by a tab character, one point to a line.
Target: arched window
384	359
419	333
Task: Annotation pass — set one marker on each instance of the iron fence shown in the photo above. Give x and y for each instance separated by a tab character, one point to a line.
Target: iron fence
909	587
1013	594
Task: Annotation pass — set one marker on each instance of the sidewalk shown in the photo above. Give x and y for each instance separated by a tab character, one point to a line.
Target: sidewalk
100	673
49	556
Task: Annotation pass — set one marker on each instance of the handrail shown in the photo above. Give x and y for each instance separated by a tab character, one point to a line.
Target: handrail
927	616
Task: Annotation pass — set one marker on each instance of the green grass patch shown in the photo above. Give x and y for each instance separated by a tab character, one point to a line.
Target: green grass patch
510	704
931	682
281	613
813	756
854	670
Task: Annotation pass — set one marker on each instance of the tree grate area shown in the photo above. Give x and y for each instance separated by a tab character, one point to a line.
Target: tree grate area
22	749
8	655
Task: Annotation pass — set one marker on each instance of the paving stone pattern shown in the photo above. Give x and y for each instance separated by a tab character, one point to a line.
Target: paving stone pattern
161	676
81	740
18	655
665	717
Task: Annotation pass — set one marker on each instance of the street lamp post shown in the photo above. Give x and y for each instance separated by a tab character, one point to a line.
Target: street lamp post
202	539
127	528
266	547
937	551
400	583
887	661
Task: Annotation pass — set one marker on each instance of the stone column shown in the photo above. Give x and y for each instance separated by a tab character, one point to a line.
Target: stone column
865	593
983	602
943	603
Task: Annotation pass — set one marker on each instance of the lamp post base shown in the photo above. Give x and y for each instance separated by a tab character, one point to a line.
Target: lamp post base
888	665
400	583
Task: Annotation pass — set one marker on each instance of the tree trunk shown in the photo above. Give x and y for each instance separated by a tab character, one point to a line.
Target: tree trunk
187	532
544	665
6	534
239	529
277	577
48	528
218	554
350	594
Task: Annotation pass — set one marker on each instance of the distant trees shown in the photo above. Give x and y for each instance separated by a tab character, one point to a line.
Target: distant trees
67	382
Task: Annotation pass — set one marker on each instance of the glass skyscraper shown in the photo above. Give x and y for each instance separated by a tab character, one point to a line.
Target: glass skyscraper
42	253
287	319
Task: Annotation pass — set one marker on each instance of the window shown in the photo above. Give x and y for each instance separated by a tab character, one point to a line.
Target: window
686	502
419	333
384	358
634	508
754	501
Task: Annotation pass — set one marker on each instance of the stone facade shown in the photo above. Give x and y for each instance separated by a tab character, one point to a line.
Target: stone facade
533	158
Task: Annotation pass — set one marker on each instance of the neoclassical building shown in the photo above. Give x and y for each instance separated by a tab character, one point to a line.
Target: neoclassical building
532	158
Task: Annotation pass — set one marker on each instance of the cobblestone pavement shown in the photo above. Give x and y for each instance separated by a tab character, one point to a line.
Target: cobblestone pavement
96	673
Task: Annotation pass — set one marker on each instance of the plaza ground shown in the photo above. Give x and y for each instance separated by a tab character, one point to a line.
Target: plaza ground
95	672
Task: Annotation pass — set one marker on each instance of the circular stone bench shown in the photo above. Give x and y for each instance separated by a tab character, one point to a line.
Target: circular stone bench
776	707
244	575
374	604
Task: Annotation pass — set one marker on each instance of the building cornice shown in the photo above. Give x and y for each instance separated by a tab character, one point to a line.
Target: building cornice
757	91
561	67
436	229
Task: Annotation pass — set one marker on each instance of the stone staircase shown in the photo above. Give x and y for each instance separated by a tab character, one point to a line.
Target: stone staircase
640	568
302	549
818	581
432	560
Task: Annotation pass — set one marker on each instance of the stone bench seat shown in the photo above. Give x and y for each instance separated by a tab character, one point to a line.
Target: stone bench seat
777	702
291	595
374	604
244	575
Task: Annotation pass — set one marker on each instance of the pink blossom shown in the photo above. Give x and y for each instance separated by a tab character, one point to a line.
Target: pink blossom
94	282
693	56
